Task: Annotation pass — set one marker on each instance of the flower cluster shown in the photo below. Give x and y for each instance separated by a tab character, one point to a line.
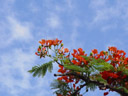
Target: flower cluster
118	76
42	50
113	56
77	57
49	43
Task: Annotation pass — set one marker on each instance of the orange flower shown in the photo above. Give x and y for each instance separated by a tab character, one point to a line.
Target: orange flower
75	51
94	51
42	42
49	42
81	52
39	50
61	70
60	78
102	53
74	61
61	66
56	42
60	41
114	49
66	50
126	61
36	53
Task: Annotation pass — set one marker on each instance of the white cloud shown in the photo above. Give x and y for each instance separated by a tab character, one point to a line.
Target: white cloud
53	21
14	75
13	30
18	30
15	78
109	14
105	10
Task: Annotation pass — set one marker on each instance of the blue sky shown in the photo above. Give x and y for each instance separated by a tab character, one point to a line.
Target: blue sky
87	24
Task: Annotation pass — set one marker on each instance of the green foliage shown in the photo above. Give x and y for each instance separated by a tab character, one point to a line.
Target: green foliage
86	58
75	68
63	88
100	65
41	70
60	87
125	71
91	86
98	77
123	88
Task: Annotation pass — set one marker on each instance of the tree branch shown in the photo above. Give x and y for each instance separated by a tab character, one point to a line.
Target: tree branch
84	78
81	86
59	63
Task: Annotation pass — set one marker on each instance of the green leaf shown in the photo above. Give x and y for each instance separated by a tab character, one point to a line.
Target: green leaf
91	86
86	58
123	88
104	66
41	70
61	87
75	68
98	77
101	65
125	71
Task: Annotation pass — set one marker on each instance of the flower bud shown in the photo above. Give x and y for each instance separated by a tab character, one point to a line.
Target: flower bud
91	54
62	44
40	47
104	52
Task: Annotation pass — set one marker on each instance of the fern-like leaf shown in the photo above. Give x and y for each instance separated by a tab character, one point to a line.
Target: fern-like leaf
75	68
91	86
41	70
60	87
101	65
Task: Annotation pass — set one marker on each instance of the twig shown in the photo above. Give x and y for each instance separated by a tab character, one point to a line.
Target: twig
81	86
84	78
59	63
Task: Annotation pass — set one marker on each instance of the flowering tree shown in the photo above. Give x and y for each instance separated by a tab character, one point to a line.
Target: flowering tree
77	70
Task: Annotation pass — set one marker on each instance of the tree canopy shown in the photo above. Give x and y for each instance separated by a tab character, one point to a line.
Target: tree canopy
77	70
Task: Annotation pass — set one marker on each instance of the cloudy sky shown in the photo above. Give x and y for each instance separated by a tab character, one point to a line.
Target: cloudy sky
87	24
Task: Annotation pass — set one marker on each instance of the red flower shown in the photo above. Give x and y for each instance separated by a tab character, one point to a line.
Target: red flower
105	93
42	42
113	49
81	52
94	51
36	53
74	86
75	51
66	50
39	50
59	95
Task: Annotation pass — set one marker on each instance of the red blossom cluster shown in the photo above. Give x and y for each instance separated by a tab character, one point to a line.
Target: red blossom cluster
119	62
113	56
45	45
50	42
67	79
77	57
